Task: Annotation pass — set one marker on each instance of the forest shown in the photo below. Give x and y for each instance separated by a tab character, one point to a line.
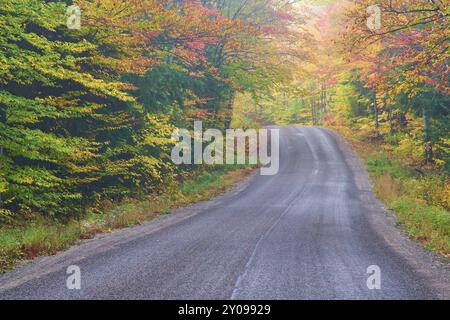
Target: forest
87	114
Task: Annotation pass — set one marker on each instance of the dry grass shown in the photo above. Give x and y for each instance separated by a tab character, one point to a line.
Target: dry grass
45	237
386	187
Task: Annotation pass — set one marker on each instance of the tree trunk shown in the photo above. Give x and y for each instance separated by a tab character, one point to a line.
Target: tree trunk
376	111
3	121
314	111
323	97
402	122
427	137
229	111
1	153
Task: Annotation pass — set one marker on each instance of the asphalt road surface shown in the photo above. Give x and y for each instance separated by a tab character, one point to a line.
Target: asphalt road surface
309	232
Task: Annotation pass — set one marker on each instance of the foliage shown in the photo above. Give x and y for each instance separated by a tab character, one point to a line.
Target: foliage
390	83
421	201
86	115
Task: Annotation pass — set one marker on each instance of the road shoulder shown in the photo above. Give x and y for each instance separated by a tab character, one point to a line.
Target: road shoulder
432	267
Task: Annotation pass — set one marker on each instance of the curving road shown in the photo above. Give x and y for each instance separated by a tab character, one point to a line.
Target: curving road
309	232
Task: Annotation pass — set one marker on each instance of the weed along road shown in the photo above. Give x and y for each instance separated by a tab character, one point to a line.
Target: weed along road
312	231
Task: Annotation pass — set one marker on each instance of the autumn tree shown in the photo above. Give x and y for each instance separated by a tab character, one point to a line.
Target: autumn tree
410	60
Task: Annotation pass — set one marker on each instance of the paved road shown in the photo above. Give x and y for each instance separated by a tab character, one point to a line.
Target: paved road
309	232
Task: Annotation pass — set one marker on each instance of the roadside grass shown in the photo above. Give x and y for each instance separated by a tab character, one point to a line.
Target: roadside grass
420	198
420	201
428	224
46	237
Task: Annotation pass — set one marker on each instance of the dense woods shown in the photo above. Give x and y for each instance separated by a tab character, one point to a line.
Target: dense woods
389	82
403	70
87	114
